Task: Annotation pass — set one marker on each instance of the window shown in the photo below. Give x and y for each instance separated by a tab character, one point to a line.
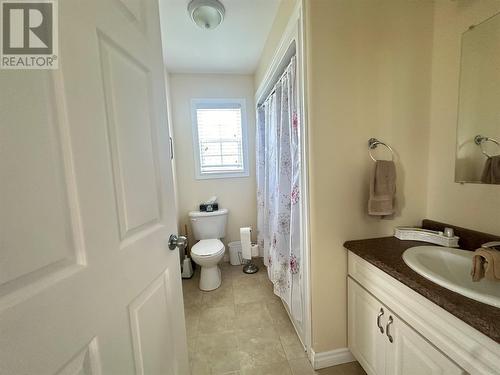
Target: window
220	138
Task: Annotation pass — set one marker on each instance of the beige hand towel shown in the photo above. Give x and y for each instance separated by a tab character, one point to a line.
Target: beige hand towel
491	172
486	263
382	188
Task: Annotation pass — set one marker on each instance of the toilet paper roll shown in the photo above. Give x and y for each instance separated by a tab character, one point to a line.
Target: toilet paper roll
246	243
255	250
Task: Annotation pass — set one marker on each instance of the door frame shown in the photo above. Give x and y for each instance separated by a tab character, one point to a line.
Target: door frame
293	42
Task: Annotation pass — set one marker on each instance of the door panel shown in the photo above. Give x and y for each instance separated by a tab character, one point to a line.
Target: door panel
153	350
366	342
134	10
411	354
87	283
37	189
84	363
127	88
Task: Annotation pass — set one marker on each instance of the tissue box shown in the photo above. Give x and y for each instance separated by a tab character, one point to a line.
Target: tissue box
204	207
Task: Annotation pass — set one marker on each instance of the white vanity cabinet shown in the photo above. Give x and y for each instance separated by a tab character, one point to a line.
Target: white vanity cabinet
385	345
366	342
411	354
426	339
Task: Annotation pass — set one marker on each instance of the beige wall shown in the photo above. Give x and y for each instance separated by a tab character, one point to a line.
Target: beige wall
471	205
236	194
283	14
369	68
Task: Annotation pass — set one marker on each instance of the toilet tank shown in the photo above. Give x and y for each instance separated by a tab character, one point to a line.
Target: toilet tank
206	225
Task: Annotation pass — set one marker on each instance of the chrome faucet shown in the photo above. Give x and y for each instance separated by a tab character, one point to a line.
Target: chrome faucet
491	245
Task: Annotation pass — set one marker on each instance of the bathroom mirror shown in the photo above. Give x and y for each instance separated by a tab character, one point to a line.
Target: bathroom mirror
478	133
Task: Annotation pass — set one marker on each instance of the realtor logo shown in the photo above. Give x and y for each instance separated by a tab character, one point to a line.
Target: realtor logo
29	34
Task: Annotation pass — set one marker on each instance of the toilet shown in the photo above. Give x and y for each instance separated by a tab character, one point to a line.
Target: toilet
208	228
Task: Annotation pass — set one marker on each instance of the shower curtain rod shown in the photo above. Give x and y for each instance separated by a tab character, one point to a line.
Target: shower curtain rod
273	90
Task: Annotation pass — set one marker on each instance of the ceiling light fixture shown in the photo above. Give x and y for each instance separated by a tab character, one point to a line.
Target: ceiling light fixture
207	14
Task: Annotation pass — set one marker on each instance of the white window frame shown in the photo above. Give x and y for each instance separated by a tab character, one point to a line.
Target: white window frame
219	103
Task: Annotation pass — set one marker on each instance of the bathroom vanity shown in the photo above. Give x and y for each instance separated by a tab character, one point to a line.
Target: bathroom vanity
401	323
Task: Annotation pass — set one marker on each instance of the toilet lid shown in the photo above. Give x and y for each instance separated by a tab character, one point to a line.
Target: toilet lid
207	247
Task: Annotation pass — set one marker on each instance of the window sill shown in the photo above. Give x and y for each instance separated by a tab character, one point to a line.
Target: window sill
220	175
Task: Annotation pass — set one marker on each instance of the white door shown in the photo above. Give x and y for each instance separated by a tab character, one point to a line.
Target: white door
366	340
87	282
410	354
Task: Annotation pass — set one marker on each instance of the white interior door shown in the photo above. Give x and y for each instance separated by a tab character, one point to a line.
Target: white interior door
87	282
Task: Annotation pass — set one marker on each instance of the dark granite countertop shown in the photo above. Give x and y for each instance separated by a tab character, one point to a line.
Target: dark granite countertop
386	254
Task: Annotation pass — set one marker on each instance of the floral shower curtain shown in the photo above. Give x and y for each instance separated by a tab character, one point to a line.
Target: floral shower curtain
278	190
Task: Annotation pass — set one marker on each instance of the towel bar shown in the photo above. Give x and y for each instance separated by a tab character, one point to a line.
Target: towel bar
372	145
481	140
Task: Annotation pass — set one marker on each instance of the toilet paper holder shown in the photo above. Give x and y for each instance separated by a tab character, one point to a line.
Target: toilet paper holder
246	244
249	266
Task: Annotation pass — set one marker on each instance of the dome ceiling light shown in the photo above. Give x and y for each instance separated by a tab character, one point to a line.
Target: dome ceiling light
207	14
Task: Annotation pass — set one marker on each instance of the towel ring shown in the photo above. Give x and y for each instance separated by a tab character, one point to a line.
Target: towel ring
481	140
372	145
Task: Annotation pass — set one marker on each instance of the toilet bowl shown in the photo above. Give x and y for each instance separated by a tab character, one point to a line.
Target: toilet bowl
207	254
208	228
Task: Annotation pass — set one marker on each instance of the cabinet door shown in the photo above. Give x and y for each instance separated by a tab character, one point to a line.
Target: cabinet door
410	354
366	342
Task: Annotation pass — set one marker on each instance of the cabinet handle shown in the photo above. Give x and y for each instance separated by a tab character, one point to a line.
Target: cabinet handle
387	329
380	314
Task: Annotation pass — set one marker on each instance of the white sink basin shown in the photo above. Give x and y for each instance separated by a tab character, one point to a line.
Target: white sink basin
451	268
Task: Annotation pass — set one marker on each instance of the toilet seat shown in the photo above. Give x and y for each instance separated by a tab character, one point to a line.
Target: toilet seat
208	248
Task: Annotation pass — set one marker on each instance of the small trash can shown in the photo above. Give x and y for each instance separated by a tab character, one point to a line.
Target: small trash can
235	253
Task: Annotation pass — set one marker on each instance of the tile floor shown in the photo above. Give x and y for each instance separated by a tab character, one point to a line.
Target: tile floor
242	328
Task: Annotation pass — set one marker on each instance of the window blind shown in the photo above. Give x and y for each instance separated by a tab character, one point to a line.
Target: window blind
220	139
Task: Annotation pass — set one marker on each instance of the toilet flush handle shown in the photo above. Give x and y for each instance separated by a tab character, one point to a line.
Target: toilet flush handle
177	241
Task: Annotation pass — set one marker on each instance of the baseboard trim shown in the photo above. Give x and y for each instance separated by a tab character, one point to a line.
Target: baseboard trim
331	358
